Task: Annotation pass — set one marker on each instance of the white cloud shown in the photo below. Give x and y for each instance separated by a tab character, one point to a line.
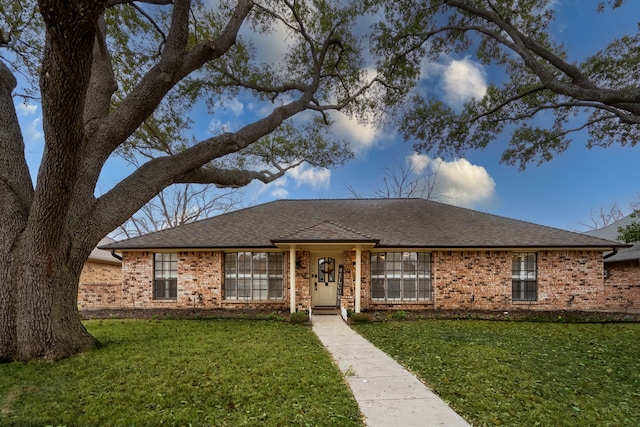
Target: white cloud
33	133
317	178
419	162
361	137
216	126
279	193
26	109
460	80
235	106
464	80
458	182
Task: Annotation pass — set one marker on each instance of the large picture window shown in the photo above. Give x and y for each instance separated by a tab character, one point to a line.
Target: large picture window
401	276
253	275
524	285
165	276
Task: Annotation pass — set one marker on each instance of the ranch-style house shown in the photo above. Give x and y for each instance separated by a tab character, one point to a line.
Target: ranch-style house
363	254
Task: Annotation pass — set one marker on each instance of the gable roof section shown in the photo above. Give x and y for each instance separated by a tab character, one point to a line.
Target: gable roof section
325	231
389	222
610	232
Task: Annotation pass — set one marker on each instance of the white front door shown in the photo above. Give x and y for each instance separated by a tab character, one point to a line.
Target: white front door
324	280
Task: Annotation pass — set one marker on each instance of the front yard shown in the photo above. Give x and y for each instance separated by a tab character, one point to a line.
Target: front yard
176	372
522	373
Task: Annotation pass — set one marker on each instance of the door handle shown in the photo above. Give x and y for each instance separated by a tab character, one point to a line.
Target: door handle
316	285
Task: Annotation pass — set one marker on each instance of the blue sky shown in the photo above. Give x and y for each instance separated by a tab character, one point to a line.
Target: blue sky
562	193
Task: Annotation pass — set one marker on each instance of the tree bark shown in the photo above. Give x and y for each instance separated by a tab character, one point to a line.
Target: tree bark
16	193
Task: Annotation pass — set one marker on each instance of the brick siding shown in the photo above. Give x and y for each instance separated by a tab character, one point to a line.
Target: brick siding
99	272
622	285
100	285
468	280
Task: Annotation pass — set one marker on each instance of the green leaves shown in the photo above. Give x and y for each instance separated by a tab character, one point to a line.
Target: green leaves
542	98
631	232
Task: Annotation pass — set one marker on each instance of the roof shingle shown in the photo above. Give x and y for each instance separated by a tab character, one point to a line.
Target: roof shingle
390	222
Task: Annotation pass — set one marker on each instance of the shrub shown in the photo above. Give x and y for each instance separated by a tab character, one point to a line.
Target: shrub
399	315
299	317
359	317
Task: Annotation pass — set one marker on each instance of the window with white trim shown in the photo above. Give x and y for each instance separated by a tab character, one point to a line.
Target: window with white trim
401	276
524	284
253	275
165	276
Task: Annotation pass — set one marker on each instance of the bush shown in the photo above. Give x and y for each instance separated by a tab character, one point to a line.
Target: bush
399	315
359	317
299	317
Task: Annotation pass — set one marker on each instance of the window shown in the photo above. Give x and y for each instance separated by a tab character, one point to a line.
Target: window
326	270
523	277
165	276
253	275
401	276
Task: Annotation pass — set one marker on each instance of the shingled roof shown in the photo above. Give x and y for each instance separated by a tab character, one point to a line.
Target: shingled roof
610	232
386	223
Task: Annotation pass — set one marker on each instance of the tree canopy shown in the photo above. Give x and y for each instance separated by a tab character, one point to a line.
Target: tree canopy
599	93
631	232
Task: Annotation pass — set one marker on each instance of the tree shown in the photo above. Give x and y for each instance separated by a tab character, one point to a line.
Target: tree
631	232
177	205
117	76
405	180
599	94
604	216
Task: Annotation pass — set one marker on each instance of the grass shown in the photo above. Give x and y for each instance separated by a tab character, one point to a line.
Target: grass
522	373
172	372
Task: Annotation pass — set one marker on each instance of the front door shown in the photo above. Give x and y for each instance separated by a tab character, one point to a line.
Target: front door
324	280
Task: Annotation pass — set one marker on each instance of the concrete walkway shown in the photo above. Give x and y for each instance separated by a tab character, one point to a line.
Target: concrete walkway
388	395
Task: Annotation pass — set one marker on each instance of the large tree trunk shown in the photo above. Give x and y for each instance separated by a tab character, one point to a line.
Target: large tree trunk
48	325
16	193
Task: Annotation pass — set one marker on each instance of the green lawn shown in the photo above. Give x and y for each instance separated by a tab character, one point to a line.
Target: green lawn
171	372
521	373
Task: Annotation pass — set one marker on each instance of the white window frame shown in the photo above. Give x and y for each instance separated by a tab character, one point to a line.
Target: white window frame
414	284
258	284
522	276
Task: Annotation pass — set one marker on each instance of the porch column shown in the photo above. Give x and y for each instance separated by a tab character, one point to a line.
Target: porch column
358	277
292	279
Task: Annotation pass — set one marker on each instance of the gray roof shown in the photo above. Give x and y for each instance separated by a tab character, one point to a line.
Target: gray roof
387	223
610	232
101	255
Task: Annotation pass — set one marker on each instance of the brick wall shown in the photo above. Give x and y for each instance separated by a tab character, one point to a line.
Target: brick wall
627	272
471	280
303	284
100	272
467	280
570	280
100	295
622	285
200	283
100	285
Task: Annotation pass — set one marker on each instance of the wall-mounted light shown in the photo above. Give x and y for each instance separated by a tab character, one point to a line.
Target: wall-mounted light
298	262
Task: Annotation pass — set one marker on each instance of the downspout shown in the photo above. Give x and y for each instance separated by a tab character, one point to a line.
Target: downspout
115	255
615	251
